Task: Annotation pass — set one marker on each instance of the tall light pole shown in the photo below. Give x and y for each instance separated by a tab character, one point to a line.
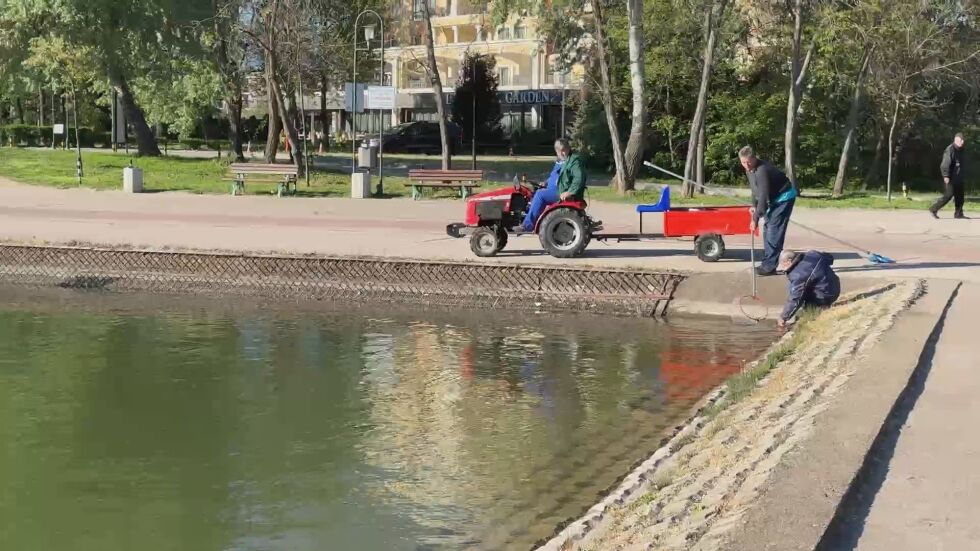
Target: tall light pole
473	93
368	37
562	105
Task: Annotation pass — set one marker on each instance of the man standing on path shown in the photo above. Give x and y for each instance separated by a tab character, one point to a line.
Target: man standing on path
773	197
952	170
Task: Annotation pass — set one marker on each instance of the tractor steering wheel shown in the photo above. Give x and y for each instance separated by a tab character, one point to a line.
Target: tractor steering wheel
533	187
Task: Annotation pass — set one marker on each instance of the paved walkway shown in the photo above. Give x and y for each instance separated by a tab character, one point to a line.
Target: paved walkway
930	498
403	228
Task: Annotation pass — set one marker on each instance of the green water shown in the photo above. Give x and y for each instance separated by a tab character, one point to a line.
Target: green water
200	427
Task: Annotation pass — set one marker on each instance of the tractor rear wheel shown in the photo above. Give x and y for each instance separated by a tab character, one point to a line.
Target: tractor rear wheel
709	247
565	233
485	242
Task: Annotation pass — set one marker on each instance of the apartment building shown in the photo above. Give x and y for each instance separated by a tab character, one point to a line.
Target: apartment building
531	91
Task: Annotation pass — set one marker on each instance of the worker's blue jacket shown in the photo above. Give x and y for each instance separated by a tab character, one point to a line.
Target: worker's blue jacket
812	282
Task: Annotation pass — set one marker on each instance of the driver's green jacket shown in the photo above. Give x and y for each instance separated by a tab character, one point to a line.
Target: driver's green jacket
572	177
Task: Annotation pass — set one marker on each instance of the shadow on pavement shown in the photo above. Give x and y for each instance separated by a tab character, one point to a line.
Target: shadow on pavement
906	266
847	526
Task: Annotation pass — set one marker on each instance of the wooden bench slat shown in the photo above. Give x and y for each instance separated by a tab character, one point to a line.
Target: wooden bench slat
471	175
465	180
467	173
287	172
446	184
280	174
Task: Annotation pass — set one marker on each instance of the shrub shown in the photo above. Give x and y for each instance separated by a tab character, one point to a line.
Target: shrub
536	141
24	135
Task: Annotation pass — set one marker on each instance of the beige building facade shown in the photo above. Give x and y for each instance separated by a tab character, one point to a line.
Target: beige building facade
532	89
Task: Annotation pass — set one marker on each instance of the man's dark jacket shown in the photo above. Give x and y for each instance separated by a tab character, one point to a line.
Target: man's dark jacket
952	163
811	282
767	183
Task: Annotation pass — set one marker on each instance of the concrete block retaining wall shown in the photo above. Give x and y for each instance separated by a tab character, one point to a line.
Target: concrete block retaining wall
521	287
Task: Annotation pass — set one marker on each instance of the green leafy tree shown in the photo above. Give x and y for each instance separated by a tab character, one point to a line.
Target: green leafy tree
478	80
125	39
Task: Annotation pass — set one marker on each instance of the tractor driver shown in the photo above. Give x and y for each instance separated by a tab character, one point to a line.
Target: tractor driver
569	184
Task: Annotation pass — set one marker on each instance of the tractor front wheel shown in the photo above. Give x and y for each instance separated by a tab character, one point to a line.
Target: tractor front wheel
485	242
565	233
501	238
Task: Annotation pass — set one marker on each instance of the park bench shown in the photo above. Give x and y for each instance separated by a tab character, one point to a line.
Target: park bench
465	180
283	175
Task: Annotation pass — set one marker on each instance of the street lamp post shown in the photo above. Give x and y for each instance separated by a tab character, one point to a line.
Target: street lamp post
473	93
562	105
368	37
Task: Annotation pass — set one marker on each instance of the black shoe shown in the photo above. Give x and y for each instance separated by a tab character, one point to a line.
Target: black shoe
959	216
759	271
933	213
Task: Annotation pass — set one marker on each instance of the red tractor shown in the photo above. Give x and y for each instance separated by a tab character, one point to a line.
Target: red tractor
564	228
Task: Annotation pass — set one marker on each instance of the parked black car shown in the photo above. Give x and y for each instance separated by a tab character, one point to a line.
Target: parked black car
421	137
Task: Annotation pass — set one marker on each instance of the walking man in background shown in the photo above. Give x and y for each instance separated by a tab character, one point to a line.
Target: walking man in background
952	170
773	197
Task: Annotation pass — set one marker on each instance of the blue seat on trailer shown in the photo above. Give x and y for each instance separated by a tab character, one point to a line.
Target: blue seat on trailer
662	206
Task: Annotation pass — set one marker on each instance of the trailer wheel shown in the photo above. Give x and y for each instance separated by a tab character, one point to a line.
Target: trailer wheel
485	242
565	233
709	247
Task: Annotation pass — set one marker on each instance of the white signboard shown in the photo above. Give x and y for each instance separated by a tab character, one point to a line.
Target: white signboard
380	97
349	96
59	129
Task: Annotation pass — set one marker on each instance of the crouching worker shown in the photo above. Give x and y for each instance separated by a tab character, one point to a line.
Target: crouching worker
570	184
812	281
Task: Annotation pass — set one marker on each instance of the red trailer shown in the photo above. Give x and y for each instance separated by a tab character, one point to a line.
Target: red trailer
565	229
707	225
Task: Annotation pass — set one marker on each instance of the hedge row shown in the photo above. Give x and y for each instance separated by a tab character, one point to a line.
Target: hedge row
26	135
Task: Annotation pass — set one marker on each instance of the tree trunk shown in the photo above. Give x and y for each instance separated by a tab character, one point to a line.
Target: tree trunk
891	143
670	132
697	123
275	122
702	139
799	66
634	146
436	80
852	120
19	105
872	175
146	143
324	115
605	89
285	115
235	105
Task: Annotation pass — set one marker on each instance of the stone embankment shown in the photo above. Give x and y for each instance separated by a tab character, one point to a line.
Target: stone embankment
693	491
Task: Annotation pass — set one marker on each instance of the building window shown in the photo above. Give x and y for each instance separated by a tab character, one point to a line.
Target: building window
505	76
520	32
418	7
503	33
386	81
415	83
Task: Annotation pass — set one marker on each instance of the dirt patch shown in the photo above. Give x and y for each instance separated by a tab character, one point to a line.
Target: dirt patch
692	492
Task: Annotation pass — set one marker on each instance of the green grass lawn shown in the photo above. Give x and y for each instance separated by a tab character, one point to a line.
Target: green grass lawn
104	171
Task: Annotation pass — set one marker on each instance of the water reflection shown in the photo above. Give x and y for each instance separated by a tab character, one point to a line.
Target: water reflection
269	430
